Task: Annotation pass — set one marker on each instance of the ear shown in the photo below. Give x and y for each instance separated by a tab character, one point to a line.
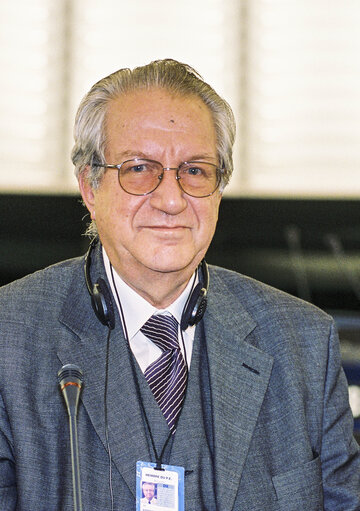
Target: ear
87	191
220	196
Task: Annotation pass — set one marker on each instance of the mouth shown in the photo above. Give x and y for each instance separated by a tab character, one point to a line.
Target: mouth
171	227
165	227
166	230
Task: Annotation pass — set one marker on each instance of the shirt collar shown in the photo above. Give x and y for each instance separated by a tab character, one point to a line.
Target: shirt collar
136	309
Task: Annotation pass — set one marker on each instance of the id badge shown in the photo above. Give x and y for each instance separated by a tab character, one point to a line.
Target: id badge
161	490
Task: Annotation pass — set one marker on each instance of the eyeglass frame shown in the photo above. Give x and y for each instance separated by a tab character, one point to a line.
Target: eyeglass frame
219	174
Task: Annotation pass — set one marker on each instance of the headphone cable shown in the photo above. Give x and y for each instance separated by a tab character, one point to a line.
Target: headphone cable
106	417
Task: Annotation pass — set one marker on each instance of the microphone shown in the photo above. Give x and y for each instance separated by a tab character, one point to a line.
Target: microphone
70	379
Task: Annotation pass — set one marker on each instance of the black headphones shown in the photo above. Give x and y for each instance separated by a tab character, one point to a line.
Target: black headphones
103	307
100	295
196	303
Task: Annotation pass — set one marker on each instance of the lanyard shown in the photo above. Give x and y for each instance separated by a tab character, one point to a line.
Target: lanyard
158	456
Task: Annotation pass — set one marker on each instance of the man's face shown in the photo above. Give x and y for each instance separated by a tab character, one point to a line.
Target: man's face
148	490
167	230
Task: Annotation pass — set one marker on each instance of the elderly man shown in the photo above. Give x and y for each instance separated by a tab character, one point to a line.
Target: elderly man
149	493
236	385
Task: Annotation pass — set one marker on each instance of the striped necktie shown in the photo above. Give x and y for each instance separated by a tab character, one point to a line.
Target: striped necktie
167	376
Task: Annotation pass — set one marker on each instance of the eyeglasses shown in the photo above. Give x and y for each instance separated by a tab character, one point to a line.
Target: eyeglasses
142	176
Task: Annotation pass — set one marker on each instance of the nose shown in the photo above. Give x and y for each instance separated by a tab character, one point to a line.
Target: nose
168	196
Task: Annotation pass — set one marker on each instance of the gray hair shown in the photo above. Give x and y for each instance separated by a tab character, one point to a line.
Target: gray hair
178	78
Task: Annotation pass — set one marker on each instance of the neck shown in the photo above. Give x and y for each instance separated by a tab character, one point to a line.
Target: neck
161	289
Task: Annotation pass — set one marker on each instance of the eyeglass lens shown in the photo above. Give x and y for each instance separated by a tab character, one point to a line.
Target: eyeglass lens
139	177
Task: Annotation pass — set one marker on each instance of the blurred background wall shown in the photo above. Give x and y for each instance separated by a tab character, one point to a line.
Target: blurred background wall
290	70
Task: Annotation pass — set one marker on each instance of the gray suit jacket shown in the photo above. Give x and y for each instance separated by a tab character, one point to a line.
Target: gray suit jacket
281	420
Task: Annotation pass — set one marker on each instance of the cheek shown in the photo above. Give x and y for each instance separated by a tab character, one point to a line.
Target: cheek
208	218
107	202
116	213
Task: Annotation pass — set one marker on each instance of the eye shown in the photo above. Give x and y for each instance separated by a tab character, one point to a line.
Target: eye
193	170
137	169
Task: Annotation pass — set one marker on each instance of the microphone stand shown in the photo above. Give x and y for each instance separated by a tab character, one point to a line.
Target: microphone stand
70	381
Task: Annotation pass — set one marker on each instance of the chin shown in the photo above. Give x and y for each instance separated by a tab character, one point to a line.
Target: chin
168	267
167	263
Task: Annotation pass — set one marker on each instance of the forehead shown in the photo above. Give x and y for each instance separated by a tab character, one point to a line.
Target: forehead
143	101
157	112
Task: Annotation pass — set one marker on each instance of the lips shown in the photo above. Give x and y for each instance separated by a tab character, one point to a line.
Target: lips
165	227
166	231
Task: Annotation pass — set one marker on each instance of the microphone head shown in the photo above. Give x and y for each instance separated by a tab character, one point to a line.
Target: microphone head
70	374
70	379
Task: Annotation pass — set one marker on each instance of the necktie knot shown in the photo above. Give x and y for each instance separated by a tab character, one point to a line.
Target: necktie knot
162	330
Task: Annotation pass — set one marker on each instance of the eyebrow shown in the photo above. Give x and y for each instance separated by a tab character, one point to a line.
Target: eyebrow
130	154
204	156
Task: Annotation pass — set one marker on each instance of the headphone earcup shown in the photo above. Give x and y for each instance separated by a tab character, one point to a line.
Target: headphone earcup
102	304
195	308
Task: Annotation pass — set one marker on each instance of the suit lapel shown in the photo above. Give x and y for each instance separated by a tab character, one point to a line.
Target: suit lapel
87	348
239	376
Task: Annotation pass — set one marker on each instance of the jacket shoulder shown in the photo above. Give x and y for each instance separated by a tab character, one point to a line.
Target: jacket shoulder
262	299
46	286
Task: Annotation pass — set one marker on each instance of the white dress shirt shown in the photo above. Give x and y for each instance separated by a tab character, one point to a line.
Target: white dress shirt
137	311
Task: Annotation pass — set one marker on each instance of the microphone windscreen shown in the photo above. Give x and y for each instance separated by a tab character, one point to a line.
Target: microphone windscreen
70	373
